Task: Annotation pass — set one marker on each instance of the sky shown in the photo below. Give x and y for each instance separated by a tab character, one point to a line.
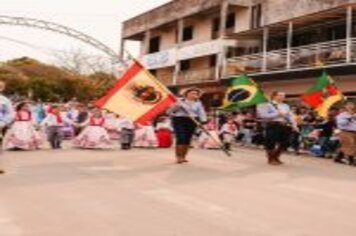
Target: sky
100	19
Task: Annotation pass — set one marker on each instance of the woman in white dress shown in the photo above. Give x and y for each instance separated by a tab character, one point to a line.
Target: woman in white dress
94	136
22	135
145	137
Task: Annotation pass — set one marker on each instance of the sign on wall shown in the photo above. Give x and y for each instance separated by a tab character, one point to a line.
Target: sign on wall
160	59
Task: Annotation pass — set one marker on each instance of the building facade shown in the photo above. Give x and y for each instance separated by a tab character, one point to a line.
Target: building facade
282	44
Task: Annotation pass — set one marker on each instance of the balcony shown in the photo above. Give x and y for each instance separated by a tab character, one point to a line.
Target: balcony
196	76
327	54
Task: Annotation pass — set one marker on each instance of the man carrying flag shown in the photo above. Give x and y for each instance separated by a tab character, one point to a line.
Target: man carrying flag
277	115
140	97
280	123
323	95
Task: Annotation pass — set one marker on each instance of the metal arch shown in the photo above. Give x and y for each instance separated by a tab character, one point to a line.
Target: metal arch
61	29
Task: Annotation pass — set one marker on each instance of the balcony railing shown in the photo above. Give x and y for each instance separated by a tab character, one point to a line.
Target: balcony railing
303	57
196	76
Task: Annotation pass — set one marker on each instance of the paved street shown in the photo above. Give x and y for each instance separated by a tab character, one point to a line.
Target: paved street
116	193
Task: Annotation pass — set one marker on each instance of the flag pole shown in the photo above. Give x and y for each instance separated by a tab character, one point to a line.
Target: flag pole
195	120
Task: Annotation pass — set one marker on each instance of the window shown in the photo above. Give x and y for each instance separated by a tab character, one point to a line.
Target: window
154	44
230	21
215	28
216	24
185	65
188	33
212	61
256	16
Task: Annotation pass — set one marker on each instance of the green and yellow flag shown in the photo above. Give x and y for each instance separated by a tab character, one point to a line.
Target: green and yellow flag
243	92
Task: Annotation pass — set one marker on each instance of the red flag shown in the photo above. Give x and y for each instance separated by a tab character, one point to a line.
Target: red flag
138	95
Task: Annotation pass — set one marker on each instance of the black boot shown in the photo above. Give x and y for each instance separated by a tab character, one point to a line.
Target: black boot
339	158
52	143
227	146
351	161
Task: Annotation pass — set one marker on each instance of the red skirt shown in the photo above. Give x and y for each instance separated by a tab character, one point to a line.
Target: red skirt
164	138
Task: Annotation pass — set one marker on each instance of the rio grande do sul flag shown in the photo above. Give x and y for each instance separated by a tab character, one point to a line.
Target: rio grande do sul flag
138	95
323	95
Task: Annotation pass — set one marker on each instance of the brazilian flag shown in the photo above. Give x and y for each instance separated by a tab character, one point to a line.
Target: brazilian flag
243	92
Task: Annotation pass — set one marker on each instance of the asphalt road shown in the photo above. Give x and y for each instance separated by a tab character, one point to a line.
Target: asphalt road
142	192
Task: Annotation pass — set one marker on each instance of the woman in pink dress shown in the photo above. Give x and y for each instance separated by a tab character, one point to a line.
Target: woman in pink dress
22	134
94	136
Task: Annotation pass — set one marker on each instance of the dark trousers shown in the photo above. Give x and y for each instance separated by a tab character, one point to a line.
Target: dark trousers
295	141
184	129
277	136
127	138
55	136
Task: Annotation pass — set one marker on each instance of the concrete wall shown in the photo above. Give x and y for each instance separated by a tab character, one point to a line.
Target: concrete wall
169	12
243	18
200	63
165	75
281	10
202	30
168	37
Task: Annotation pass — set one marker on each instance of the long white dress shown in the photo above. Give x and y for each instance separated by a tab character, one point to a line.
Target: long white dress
94	136
145	137
22	134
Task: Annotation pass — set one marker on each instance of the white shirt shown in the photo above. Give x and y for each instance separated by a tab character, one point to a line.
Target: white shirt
124	123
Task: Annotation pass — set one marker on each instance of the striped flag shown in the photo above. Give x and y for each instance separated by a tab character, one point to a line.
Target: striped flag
138	95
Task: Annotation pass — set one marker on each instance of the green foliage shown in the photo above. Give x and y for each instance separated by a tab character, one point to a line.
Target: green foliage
28	77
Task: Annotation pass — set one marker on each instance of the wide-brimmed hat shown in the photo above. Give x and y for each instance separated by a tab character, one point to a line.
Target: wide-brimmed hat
185	91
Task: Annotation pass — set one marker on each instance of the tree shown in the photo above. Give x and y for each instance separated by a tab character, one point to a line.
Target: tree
26	76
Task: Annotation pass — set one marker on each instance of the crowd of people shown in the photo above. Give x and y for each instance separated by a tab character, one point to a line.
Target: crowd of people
29	125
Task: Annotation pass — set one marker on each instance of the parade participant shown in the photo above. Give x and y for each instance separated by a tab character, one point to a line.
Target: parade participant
229	132
145	136
346	122
68	121
72	110
94	135
22	134
279	125
53	124
112	125
248	126
188	108
205	139
164	132
82	117
126	129
6	115
39	112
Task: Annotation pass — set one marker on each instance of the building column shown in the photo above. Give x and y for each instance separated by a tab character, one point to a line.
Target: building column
349	12
180	26
146	43
122	49
265	48
289	45
221	57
